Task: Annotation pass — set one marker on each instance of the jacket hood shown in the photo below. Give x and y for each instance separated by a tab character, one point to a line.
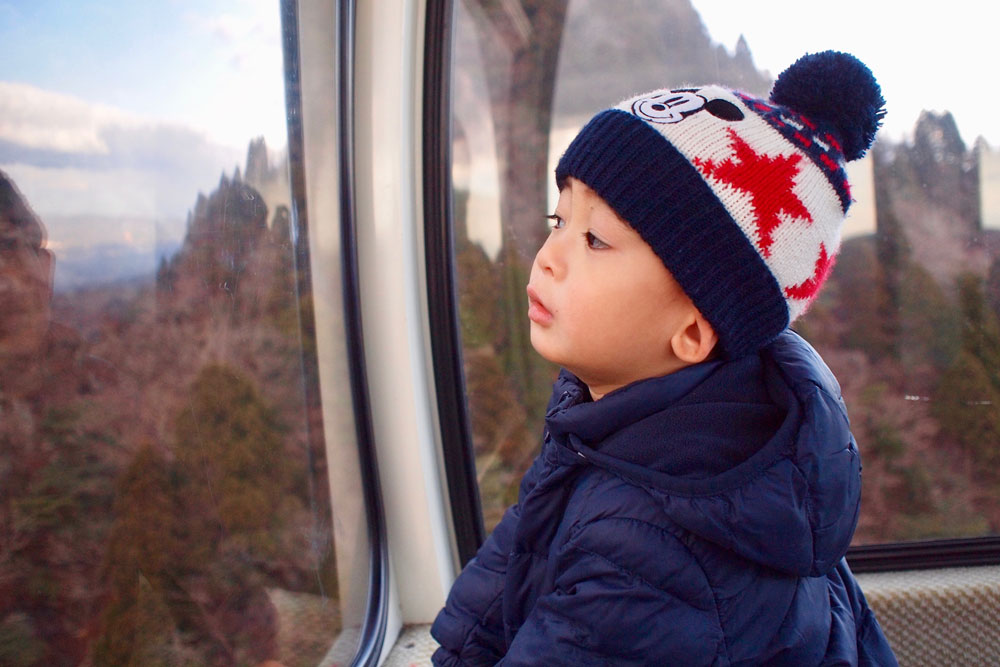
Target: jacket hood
754	454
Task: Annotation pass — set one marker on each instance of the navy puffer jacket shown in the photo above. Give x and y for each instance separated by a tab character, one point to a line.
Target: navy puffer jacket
699	518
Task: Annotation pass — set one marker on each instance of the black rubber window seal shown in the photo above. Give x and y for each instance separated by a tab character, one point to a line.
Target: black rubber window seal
374	624
442	293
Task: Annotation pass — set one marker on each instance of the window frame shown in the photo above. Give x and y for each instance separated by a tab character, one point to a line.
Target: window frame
925	554
375	621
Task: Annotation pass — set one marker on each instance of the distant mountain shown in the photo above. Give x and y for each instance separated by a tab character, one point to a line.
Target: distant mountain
599	63
929	201
80	262
108	263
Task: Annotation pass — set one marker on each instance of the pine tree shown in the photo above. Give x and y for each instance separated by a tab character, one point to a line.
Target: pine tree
143	549
968	397
231	455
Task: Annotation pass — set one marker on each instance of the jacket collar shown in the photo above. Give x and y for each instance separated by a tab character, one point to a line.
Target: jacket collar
754	454
697	422
573	411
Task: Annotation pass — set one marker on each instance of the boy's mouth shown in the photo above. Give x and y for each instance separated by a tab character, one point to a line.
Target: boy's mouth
537	312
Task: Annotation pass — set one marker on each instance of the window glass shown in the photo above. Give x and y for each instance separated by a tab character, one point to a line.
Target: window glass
910	318
164	496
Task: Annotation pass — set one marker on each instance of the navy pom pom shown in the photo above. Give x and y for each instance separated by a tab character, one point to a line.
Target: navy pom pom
838	90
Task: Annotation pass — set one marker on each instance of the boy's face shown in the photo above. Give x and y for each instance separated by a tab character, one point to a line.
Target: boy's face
601	303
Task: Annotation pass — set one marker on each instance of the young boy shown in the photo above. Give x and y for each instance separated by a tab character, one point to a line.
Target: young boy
698	483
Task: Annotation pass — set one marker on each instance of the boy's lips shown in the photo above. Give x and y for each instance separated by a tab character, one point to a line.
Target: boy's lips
537	312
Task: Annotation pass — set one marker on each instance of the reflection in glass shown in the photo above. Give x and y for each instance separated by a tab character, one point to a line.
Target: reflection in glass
911	325
164	496
909	320
517	102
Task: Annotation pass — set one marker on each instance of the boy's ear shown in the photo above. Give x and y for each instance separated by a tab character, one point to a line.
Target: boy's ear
694	341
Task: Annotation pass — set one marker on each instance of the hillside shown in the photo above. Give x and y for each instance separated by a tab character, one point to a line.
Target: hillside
595	72
168	477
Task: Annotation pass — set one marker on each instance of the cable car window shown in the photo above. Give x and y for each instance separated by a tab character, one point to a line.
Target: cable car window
165	495
910	318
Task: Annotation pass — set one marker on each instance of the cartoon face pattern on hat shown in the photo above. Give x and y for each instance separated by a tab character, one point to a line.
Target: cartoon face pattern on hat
773	190
670	106
673	106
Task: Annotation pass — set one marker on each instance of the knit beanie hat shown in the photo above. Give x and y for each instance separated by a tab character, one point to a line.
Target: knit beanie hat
743	199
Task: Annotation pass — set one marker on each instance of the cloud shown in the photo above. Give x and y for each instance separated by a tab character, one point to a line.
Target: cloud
241	89
249	37
40	119
72	157
228	27
44	128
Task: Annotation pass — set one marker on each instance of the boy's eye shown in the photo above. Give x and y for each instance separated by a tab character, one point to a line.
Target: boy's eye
595	243
555	222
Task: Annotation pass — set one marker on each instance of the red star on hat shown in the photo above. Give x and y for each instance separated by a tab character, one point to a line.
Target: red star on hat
767	179
808	289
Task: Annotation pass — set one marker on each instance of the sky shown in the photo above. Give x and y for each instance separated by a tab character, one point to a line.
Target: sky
211	65
937	56
125	110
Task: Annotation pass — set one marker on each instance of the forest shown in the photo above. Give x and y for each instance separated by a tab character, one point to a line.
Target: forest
165	499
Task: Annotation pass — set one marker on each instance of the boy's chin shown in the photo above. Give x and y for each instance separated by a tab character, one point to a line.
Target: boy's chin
542	347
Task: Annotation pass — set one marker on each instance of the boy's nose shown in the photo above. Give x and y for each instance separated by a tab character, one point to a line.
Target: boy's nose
548	258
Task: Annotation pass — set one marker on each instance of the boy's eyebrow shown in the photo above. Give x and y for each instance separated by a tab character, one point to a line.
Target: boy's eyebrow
619	224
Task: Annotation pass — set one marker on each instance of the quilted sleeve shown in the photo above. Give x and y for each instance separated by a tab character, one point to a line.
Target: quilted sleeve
470	627
626	594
